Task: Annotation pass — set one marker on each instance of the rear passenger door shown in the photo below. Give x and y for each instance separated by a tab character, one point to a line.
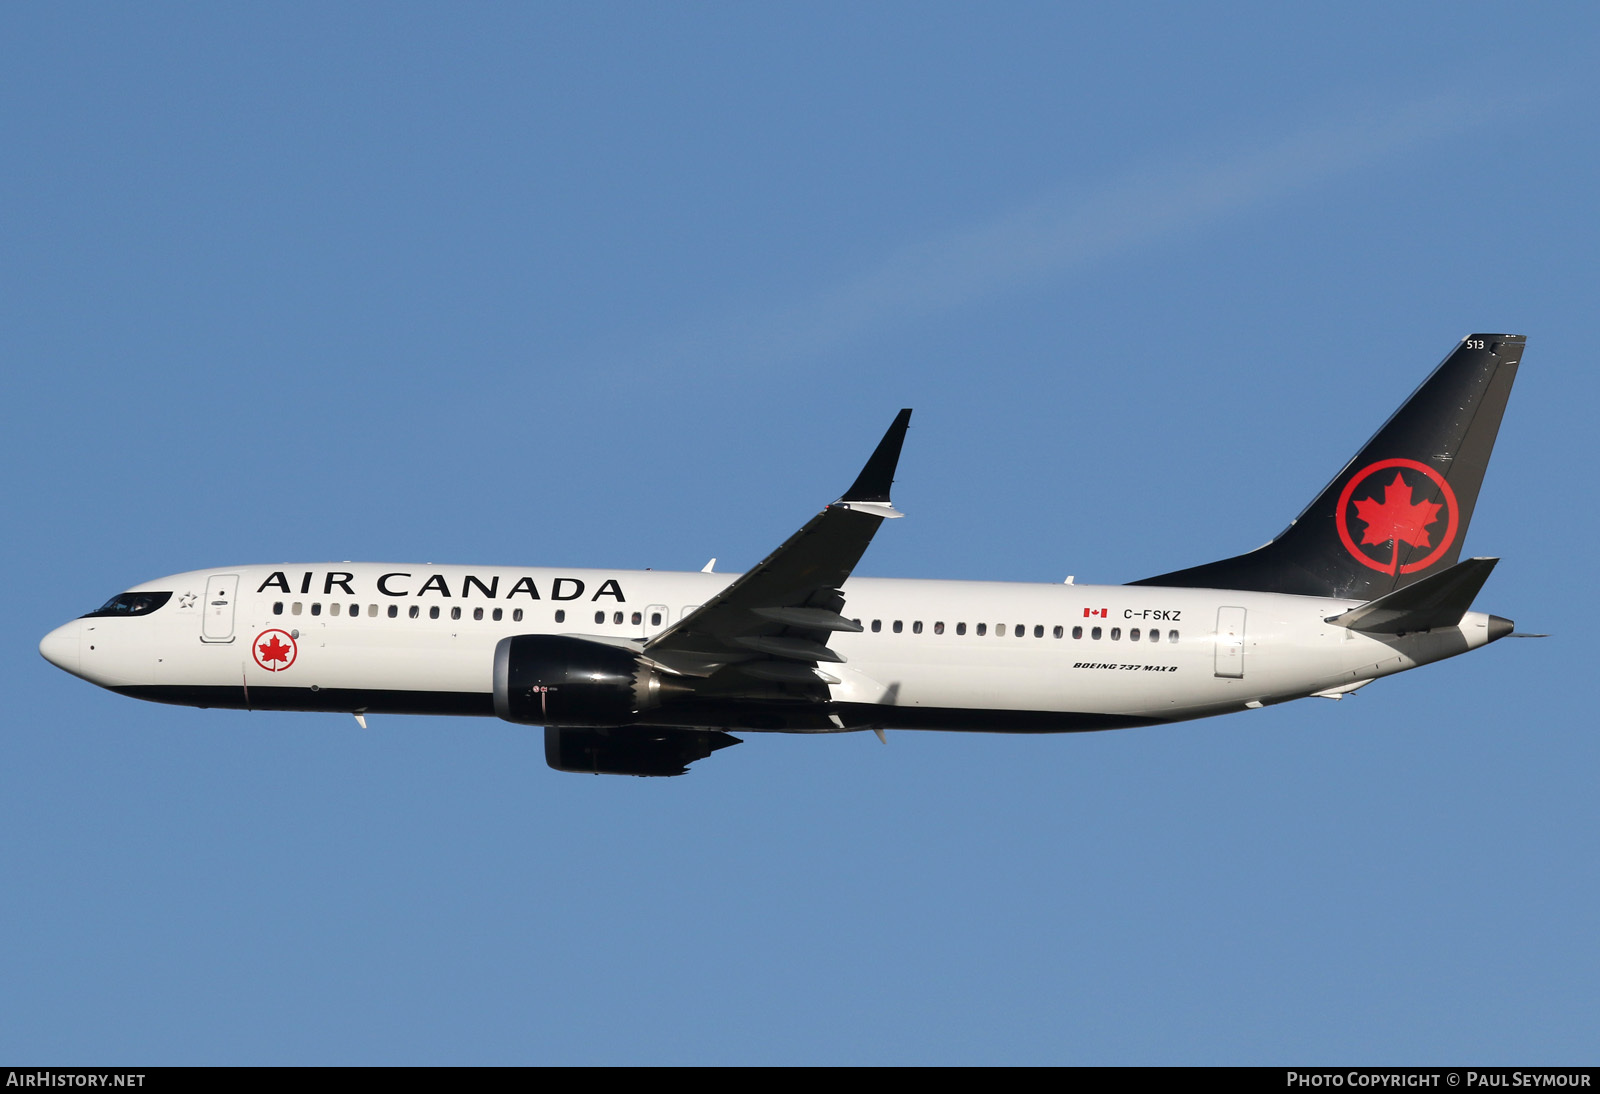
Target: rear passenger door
1230	643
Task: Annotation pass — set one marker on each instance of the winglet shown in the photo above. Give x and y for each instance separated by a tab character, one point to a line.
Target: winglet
872	485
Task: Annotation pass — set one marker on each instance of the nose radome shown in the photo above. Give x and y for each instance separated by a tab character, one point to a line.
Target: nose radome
60	647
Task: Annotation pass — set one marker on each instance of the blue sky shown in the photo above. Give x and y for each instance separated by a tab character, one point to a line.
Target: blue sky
636	285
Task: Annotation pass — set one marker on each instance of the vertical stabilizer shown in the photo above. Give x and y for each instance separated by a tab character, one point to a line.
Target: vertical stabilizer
1399	510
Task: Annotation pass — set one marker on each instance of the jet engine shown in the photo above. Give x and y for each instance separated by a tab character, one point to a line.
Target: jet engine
557	680
631	750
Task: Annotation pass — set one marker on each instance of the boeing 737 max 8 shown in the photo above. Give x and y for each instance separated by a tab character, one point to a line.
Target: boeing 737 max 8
642	673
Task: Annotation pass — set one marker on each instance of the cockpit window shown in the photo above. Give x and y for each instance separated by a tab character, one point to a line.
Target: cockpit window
131	604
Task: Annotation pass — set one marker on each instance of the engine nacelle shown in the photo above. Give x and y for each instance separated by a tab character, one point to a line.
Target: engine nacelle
557	680
631	750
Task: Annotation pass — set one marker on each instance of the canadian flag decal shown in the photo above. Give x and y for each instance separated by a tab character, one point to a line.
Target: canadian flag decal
1087	612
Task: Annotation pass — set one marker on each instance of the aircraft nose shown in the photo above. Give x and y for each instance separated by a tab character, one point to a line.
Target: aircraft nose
60	647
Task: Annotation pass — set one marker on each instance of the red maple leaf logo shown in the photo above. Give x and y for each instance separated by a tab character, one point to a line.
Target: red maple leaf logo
274	651
1396	518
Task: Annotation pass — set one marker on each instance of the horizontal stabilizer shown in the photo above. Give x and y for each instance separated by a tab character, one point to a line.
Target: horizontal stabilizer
1439	600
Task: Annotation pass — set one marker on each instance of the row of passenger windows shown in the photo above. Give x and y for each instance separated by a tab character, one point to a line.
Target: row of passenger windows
1020	630
635	618
657	619
413	612
434	612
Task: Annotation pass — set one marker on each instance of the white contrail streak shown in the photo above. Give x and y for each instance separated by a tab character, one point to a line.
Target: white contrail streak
1062	234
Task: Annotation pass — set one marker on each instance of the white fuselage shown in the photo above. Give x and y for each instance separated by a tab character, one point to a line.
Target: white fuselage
933	654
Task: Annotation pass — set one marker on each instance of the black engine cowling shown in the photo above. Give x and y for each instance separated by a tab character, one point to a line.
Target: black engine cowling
589	697
631	750
556	680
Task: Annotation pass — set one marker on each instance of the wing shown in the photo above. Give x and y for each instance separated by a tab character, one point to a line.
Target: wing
767	633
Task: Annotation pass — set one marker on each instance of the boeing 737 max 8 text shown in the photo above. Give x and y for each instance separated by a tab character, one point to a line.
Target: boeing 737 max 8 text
642	673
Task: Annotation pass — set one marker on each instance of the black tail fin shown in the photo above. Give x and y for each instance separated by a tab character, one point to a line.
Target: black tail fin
1398	511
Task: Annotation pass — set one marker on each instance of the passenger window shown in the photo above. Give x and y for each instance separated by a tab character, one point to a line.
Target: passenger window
898	626
938	628
1155	634
655	619
516	615
1095	634
277	607
499	613
294	609
961	628
333	609
355	609
414	611
477	613
983	628
877	625
1172	636
372	611
916	628
1058	632
1116	634
316	609
638	617
455	613
433	612
1133	635
1038	631
1077	632
616	617
599	617
394	610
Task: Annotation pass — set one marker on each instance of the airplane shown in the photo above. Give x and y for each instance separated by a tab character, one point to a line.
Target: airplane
645	672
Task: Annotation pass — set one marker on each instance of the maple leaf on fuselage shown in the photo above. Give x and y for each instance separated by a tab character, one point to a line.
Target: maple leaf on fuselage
274	651
1396	517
